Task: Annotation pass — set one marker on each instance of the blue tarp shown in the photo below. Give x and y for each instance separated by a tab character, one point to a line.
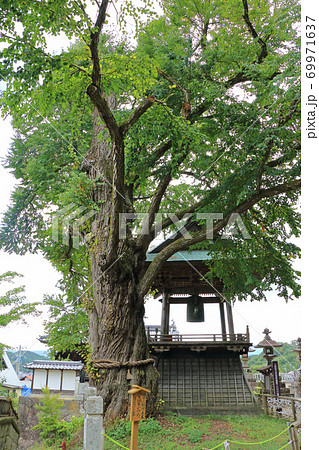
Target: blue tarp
25	391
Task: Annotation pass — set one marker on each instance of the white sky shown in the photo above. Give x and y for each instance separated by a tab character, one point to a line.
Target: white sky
40	278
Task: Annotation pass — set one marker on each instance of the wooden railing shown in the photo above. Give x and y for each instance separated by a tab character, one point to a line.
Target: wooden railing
281	406
179	338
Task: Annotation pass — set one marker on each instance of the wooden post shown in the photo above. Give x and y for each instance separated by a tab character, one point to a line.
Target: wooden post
230	320
291	439
293	435
296	437
265	404
134	435
293	408
47	379
61	381
165	314
137	413
33	372
222	320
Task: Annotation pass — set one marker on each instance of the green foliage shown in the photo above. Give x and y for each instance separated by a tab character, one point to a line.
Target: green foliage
68	325
50	424
241	136
9	393
150	426
195	435
13	304
286	357
121	430
53	430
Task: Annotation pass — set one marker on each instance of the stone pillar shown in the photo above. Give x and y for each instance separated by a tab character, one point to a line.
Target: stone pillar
247	334
165	314
93	420
222	320
230	320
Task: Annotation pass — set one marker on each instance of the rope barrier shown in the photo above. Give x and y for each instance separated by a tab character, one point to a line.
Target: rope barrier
286	445
259	443
222	443
254	443
114	442
109	364
219	445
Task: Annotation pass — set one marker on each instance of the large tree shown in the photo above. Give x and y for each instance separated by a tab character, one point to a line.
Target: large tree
199	115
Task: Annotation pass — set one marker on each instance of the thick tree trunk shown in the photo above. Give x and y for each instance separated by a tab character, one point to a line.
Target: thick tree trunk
117	333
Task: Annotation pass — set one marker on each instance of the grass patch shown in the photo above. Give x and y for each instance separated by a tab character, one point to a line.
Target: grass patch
173	432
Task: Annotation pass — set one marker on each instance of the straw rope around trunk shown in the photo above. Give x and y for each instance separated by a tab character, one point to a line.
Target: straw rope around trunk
109	364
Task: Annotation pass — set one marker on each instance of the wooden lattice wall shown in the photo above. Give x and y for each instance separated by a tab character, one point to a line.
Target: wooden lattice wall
205	380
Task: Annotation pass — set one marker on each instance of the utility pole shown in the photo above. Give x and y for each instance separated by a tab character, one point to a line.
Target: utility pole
18	361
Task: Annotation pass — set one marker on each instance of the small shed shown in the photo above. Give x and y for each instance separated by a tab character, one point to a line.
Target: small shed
57	376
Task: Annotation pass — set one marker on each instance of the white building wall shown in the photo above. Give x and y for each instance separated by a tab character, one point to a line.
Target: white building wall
26	382
8	375
68	383
54	380
39	378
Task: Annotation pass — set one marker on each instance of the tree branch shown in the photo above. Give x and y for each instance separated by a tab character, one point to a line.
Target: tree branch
94	90
184	244
282	159
254	33
203	40
159	151
263	162
281	122
240	77
137	113
95	37
294	108
80	5
144	238
186	106
104	110
162	149
179	215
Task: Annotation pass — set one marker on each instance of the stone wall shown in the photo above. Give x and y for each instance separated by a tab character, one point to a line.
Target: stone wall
28	417
9	433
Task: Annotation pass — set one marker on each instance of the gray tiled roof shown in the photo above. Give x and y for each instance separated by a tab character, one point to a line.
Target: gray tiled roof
55	365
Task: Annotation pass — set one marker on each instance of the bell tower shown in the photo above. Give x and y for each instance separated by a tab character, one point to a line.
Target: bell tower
199	373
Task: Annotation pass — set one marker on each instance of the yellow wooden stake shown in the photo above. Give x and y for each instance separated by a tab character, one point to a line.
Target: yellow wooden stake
137	413
134	435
